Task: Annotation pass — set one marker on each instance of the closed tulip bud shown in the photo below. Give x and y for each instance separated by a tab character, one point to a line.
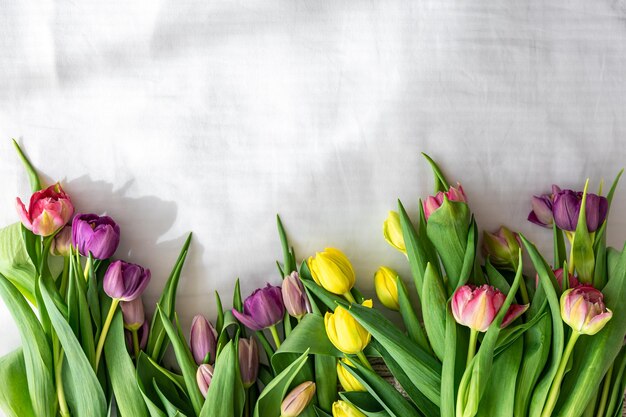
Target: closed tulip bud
392	230
347	380
48	211
541	213
502	248
583	309
262	309
386	287
203	340
133	313
248	361
345	333
558	274
432	203
62	242
142	338
98	235
332	270
297	400
125	281
345	409
294	296
204	375
566	209
476	307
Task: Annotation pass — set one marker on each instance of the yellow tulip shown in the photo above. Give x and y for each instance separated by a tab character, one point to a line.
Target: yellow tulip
345	409
387	287
345	332
392	230
332	271
347	380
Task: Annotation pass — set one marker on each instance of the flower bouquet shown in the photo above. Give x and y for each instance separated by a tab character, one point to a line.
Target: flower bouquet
513	335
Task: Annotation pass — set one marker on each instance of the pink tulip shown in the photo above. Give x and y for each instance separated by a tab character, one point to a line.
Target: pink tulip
558	274
204	375
48	211
432	203
476	307
583	309
202	340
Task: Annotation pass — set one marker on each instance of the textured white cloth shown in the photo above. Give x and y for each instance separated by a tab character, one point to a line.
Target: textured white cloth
211	117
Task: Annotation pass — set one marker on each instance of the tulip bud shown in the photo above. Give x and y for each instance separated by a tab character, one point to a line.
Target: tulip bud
248	361
566	209
558	274
203	340
297	400
125	281
95	234
262	309
48	211
392	230
347	380
133	313
386	287
332	271
345	333
294	296
476	307
345	409
541	213
502	248
583	309
432	203
62	242
142	337
204	375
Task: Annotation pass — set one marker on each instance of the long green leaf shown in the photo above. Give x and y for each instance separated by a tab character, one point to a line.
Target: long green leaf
15	262
225	386
415	252
434	310
409	317
582	246
441	184
33	177
325	381
14	396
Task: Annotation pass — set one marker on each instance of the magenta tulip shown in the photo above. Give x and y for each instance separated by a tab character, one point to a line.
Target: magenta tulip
541	213
262	309
203	340
125	281
566	209
99	235
133	313
48	211
432	203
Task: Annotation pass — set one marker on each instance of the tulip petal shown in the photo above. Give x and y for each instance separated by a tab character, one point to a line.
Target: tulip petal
513	313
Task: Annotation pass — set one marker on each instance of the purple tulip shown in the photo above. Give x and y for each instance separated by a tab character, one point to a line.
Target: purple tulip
142	336
95	234
248	361
133	313
125	281
262	309
542	208
204	375
296	301
566	208
202	340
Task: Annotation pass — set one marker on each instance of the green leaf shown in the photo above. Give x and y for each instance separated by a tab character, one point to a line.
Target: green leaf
453	365
219	323
157	344
37	352
87	393
14	396
226	390
83	316
409	317
441	184
560	254
122	371
15	262
33	178
434	310
365	402
325	380
272	396
289	262
415	251
423	370
582	251
618	385
172	410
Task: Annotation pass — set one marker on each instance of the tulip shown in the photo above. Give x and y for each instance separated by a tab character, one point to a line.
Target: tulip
345	333
582	309
48	211
137	340
133	313
345	409
566	209
541	213
295	298
502	248
262	309
432	203
248	361
203	340
62	242
204	375
347	380
332	270
558	274
392	230
387	287
297	400
97	235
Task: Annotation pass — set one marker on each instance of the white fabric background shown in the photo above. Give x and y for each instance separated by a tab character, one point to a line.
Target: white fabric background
209	116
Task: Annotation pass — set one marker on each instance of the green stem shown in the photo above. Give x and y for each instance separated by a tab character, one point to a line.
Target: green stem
605	392
471	349
556	383
135	343
58	377
364	360
246	411
523	291
87	268
570	262
275	336
105	330
349	297
65	276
